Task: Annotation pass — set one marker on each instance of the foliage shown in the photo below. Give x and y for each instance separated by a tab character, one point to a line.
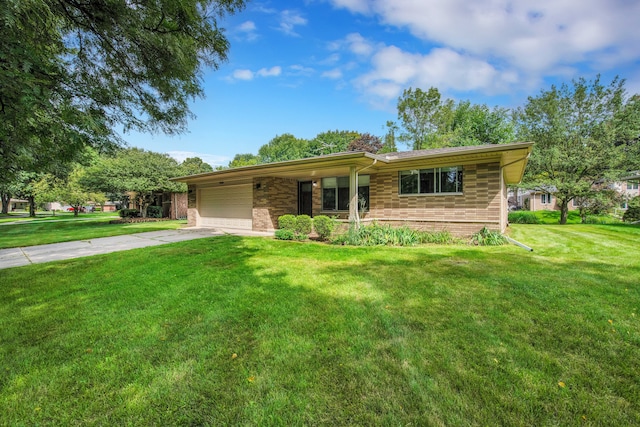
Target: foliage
287	222
378	234
136	170
366	142
246	159
129	213
303	225
324	226
73	71
632	214
331	142
283	147
430	122
285	234
523	217
194	166
389	145
598	201
486	237
583	135
154	212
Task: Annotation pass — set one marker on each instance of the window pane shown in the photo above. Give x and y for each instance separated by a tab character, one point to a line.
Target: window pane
409	182
329	183
459	186
427	181
448	179
328	199
363	198
343	193
363	180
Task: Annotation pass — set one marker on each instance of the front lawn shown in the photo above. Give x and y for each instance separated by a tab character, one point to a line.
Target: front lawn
69	228
254	331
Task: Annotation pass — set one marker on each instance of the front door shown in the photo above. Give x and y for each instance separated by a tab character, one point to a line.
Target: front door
305	190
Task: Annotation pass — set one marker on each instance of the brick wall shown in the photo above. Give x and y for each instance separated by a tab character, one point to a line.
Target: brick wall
274	197
192	205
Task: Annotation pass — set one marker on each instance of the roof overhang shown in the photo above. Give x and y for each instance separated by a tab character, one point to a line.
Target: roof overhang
512	158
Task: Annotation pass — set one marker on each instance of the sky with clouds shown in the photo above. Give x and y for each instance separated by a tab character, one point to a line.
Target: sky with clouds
305	67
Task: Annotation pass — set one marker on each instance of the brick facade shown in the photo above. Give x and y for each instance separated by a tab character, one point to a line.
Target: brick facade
192	206
272	198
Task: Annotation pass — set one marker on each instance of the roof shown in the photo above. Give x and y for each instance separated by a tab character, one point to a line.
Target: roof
512	157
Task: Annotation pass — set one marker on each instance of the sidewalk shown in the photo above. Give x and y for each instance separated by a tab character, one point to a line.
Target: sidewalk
16	257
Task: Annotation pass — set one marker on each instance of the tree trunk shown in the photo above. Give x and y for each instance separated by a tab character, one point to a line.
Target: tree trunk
32	206
564	211
6	198
76	210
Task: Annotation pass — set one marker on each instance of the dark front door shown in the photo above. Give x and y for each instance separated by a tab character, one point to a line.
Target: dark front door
305	190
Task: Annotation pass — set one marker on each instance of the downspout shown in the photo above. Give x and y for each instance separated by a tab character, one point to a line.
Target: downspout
502	183
354	197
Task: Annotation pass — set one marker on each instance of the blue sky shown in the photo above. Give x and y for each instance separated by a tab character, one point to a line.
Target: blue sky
305	67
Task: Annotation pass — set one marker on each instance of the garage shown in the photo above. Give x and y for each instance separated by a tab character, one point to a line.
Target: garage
228	206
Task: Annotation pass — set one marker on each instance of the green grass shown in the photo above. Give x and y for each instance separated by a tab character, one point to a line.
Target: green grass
553	217
329	335
68	228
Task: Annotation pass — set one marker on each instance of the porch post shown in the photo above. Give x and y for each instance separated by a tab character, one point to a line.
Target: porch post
353	196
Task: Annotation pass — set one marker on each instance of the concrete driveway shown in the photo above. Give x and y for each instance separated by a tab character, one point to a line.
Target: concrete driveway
16	257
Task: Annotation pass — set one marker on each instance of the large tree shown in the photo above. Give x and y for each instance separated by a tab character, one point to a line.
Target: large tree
428	121
72	71
331	142
586	133
134	170
284	147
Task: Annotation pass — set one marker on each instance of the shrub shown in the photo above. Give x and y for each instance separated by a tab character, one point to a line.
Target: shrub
632	214
523	217
486	237
129	213
154	211
375	234
324	226
439	237
287	222
304	224
284	234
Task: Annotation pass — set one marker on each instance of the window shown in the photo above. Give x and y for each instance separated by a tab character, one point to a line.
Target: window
431	181
545	198
632	185
335	193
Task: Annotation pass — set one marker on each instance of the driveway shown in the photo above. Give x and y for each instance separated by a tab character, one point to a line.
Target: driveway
16	257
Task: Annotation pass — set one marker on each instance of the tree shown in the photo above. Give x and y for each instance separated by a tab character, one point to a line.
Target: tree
584	135
283	147
430	122
419	112
331	142
246	159
71	71
389	145
366	142
193	166
134	170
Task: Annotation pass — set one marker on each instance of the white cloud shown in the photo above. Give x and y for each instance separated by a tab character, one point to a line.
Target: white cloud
334	74
535	37
269	72
289	20
242	74
247	30
301	70
211	159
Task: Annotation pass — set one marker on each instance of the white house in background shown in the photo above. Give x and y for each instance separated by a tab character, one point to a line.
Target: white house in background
628	188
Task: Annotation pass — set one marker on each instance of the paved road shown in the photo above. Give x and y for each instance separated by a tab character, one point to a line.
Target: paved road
16	257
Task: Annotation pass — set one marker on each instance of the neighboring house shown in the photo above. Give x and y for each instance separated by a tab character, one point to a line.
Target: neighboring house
459	189
18	204
539	201
628	188
174	205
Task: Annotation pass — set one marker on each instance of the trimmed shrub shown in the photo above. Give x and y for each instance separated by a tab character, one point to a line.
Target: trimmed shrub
486	237
129	213
632	214
287	222
304	223
154	211
284	234
523	217
324	226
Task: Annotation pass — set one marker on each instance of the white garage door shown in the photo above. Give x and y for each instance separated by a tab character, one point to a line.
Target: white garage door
227	207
